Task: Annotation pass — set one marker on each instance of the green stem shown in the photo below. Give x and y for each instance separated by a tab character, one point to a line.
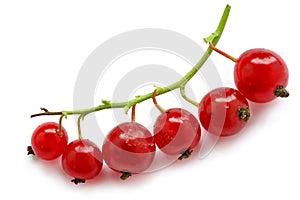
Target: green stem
213	39
79	127
182	92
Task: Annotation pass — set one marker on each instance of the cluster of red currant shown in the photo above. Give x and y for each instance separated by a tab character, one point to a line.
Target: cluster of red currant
129	148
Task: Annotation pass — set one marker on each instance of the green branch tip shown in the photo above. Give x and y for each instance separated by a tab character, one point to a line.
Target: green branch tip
215	36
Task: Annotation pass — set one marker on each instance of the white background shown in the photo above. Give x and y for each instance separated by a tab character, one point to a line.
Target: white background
43	45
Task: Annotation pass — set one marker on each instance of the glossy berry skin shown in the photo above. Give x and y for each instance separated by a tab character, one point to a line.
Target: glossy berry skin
82	159
129	147
258	73
176	131
46	142
219	111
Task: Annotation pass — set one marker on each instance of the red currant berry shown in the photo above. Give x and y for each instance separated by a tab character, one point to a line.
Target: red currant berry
47	143
224	111
82	159
261	75
129	148
176	131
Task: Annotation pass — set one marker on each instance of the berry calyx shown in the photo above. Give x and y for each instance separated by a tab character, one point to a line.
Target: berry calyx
224	111
261	75
281	92
82	159
48	141
30	151
244	114
125	175
77	181
186	154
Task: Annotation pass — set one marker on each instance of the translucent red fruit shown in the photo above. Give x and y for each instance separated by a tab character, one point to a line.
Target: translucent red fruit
224	111
46	141
129	148
82	159
258	74
176	131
